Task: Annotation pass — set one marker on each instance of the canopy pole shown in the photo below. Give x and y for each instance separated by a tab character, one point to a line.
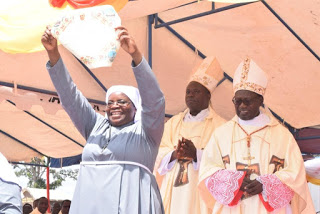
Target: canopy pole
186	42
182	5
47	124
212	11
92	75
290	29
20	142
48	186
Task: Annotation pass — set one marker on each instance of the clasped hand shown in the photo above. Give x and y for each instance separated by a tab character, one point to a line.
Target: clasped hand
185	150
251	187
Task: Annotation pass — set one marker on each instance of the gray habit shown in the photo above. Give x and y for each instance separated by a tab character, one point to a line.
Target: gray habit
10	198
116	188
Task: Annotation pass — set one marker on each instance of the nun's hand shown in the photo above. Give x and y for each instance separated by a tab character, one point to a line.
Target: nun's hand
51	45
129	45
48	41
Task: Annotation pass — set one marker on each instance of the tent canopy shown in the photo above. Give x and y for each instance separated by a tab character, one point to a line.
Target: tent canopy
38	124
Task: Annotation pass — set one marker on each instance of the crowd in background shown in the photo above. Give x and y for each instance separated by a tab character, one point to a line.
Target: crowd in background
41	205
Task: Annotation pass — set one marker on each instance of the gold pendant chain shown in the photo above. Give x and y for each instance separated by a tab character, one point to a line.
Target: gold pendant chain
249	135
249	158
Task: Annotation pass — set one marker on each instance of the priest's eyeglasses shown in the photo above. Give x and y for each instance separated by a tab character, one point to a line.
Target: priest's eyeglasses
246	102
122	103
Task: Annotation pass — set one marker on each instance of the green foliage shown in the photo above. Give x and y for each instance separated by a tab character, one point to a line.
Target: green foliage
36	173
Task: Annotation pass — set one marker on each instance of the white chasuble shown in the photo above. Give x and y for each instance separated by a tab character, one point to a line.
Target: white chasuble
184	198
272	157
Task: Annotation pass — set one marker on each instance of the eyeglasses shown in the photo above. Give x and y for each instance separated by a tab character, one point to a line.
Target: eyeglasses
121	103
246	102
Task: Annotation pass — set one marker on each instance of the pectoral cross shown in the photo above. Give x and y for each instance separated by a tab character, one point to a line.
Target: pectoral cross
249	168
249	158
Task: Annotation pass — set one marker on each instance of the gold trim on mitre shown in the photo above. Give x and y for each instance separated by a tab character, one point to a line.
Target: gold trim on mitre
249	76
208	74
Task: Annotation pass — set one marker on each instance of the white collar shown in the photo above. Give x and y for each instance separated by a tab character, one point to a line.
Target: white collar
259	121
199	117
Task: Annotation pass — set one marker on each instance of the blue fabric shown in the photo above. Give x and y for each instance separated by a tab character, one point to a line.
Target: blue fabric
68	161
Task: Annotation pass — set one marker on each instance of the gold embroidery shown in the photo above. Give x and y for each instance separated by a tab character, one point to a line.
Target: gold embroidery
245	70
203	79
251	87
244	85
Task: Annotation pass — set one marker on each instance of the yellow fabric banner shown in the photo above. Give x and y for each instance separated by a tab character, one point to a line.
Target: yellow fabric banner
22	23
